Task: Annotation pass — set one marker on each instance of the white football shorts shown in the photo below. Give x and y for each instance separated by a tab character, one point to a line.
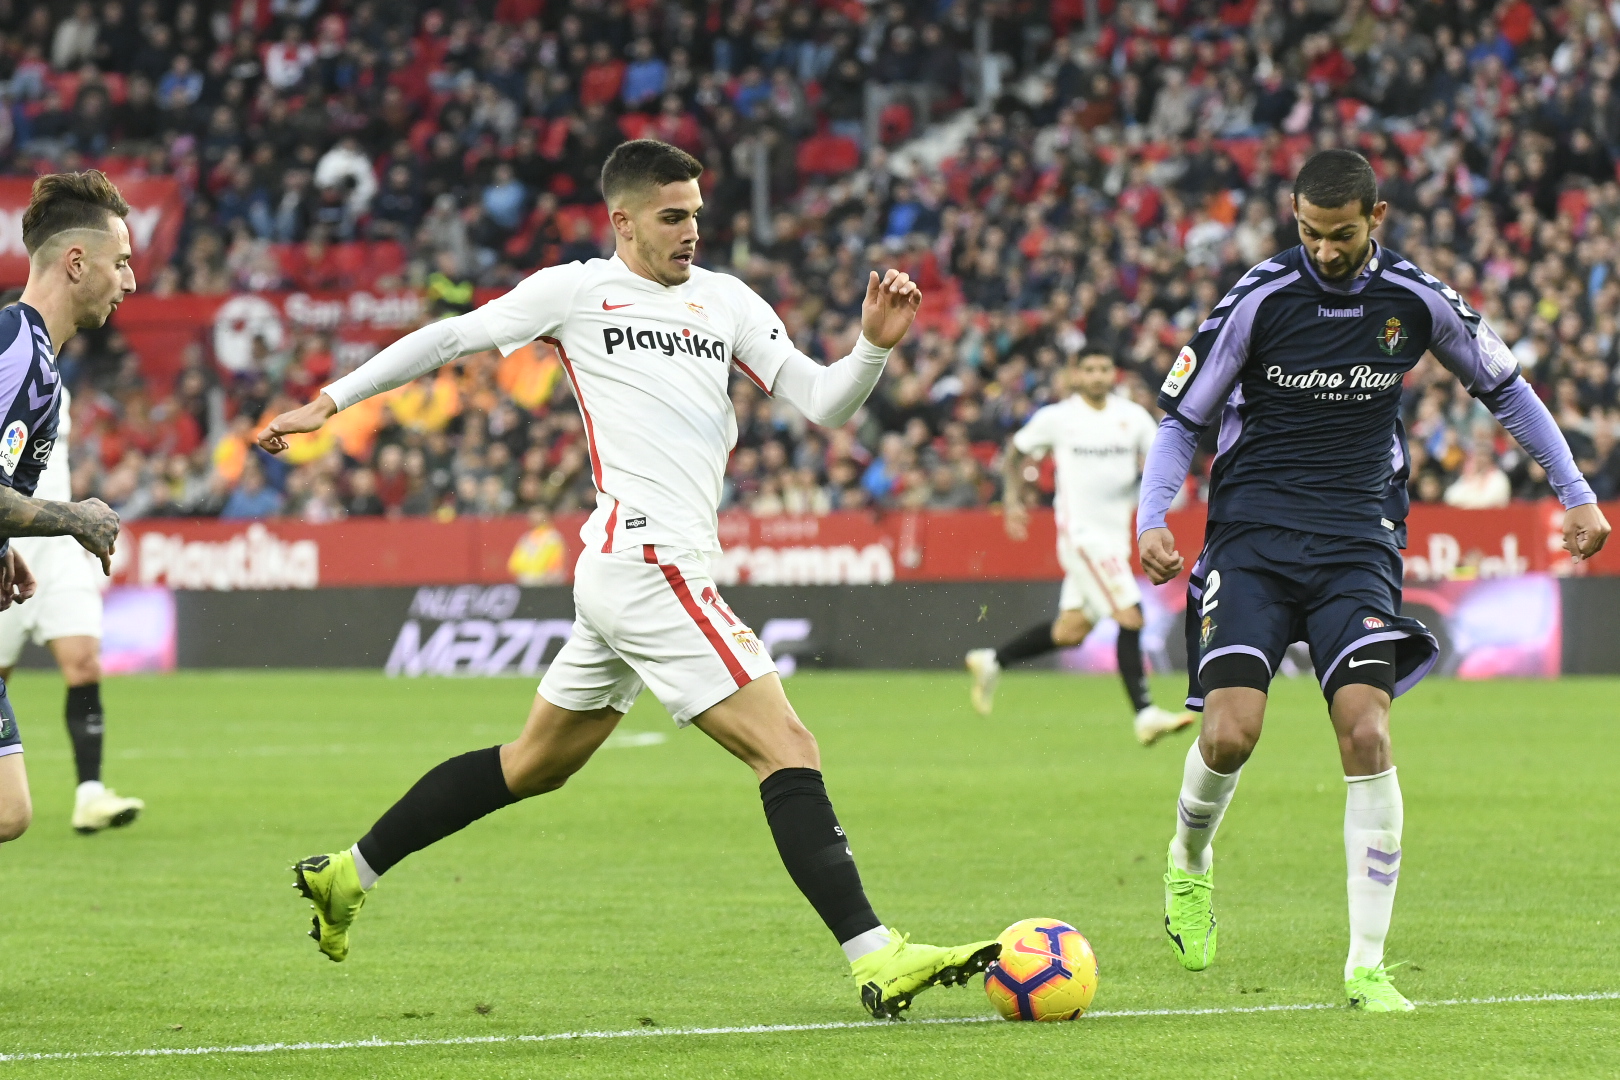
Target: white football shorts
1097	579
652	617
68	603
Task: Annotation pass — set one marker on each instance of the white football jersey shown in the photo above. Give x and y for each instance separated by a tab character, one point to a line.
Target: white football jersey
1098	454
649	365
56	482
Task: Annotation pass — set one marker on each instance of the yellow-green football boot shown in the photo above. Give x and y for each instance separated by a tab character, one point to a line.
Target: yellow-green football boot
1188	921
332	885
890	977
1370	990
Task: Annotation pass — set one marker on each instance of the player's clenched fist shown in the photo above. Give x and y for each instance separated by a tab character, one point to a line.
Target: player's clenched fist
1585	531
889	307
309	418
1160	558
97	531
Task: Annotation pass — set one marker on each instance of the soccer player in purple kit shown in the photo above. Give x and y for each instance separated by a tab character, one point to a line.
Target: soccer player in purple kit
1300	367
78	272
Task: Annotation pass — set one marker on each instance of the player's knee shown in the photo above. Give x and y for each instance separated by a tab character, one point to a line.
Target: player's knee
1361	716
1129	618
15	817
1225	748
81	671
798	743
1069	630
1367	740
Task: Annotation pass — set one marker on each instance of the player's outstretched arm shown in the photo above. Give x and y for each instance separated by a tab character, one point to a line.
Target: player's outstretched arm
92	522
412	356
1527	419
830	395
1163	473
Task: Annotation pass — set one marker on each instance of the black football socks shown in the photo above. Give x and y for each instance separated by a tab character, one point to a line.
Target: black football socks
1128	649
448	798
816	852
1032	642
84	724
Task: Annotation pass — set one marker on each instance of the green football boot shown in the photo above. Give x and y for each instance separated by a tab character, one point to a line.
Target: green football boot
1370	990
890	977
1188	920
332	886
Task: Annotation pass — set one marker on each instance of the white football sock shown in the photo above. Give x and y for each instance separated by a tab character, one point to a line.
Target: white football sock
368	876
869	942
1202	804
1372	851
90	789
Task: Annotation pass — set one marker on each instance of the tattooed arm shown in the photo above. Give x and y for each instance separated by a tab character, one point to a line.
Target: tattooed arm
92	523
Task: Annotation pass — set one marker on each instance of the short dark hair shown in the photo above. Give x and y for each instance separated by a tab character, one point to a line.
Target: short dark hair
646	163
1333	178
64	201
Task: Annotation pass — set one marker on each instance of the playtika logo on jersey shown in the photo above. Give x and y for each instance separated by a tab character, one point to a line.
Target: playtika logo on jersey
667	342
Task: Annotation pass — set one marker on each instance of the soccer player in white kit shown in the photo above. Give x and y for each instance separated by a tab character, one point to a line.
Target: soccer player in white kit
65	617
648	342
1099	439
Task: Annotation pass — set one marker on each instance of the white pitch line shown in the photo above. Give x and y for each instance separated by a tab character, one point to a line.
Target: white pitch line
751	1029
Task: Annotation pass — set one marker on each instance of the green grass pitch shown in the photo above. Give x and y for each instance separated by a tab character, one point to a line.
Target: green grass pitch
646	895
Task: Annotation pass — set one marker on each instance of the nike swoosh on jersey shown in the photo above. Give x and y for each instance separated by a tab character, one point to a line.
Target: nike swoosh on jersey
1363	663
615	307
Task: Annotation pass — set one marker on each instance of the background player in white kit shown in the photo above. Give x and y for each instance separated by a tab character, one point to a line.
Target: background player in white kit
1100	439
648	342
65	617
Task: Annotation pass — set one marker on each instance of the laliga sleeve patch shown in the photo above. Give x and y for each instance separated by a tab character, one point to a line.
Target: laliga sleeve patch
11	446
1180	372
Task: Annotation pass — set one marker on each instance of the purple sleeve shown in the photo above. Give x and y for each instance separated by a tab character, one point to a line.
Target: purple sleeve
1528	420
1164	472
1206	368
1459	337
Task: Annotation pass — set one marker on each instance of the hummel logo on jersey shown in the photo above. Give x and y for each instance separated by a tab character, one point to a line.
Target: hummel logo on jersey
1339	312
615	307
1353	662
668	343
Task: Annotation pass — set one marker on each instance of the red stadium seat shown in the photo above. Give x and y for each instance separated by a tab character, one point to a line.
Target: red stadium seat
828	155
1411	142
1245	154
556	137
894	123
634	124
1573	203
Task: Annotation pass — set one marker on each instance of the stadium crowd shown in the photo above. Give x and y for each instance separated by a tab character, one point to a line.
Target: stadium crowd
1107	186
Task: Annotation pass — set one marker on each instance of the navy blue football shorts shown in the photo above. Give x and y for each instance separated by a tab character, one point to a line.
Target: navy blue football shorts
1256	589
10	737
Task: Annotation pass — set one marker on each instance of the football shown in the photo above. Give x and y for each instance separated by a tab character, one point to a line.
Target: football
1046	971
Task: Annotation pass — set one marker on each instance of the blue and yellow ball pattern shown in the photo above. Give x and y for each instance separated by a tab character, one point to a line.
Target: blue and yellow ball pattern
1046	971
